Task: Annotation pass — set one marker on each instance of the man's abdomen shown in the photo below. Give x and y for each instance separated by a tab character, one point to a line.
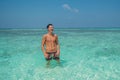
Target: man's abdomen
51	47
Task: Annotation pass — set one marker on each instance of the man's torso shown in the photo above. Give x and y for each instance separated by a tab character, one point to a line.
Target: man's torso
50	43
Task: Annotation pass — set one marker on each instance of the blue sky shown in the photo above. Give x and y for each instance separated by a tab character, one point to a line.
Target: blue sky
61	13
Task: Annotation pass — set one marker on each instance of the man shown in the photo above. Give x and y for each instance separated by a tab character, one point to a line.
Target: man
50	45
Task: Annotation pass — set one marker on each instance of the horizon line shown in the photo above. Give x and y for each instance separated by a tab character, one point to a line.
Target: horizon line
60	27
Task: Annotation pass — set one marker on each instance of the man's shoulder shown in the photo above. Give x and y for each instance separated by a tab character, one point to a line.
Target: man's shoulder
44	35
55	34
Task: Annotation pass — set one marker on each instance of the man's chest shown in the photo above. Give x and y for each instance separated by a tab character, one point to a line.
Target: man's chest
50	39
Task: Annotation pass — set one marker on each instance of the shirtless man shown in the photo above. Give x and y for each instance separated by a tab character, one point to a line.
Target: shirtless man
50	46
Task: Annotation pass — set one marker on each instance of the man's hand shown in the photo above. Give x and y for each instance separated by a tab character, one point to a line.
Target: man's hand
58	53
45	54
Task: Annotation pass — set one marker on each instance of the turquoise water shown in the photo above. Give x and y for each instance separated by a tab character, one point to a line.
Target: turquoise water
92	54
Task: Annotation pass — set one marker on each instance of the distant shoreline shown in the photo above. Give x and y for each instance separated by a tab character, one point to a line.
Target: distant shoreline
88	28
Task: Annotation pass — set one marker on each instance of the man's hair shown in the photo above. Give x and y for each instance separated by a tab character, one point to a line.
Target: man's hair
49	25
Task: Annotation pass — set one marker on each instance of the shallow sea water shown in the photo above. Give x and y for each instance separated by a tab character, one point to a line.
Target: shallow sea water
85	55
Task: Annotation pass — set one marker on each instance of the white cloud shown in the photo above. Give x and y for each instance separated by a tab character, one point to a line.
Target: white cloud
76	10
68	7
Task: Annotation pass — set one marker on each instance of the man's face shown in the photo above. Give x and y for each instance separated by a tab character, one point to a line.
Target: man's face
51	28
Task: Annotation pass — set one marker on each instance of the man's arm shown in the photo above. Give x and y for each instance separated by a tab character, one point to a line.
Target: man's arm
42	44
58	46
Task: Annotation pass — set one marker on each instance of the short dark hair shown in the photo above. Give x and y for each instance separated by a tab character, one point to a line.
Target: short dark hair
49	25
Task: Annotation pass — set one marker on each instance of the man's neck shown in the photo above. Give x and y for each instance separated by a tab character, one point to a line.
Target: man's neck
50	33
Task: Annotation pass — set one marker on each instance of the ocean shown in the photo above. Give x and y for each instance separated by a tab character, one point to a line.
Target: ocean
85	54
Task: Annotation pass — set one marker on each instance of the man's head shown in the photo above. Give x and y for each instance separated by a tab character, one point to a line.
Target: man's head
50	27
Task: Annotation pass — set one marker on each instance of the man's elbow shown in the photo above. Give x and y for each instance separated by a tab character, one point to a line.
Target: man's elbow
42	47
